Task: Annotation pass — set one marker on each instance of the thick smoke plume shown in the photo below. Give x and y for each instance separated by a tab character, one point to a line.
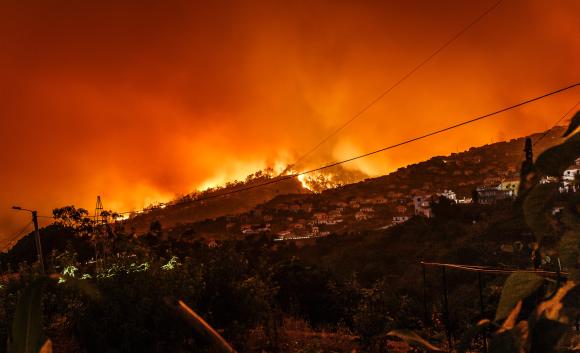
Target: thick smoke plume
137	101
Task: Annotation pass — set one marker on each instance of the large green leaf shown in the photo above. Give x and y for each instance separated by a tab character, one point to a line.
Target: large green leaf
413	339
27	324
574	124
471	334
546	335
556	159
518	286
536	206
205	329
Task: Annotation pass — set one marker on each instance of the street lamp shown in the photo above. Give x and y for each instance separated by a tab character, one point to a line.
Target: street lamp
36	235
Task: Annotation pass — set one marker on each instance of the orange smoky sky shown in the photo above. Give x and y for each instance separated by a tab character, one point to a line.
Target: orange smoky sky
138	101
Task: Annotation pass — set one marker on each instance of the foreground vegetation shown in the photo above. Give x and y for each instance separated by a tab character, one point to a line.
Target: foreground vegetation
362	285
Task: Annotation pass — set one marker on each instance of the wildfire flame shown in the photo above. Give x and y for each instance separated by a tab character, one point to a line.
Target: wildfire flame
303	180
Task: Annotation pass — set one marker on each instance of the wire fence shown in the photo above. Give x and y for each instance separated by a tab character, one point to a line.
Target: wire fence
449	313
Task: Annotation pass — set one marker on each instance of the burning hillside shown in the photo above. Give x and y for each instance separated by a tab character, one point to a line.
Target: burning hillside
232	198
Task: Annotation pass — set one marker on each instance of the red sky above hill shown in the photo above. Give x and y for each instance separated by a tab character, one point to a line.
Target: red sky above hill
137	101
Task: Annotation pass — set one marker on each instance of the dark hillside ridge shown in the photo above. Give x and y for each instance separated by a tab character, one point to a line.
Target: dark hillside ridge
461	172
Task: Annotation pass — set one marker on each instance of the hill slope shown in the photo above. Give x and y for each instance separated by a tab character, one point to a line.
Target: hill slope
190	210
284	204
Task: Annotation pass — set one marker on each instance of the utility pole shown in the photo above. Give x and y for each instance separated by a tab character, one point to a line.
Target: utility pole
37	240
36	235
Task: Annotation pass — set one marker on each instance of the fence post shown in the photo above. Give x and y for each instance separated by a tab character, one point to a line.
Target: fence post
481	308
426	314
446	309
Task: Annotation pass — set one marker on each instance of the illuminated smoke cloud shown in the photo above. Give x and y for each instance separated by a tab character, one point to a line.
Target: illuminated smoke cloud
138	101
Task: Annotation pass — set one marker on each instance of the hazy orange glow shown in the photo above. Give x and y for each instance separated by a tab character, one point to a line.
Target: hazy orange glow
138	101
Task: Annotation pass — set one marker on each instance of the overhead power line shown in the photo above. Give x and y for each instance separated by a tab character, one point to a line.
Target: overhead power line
398	82
556	123
15	236
493	270
399	144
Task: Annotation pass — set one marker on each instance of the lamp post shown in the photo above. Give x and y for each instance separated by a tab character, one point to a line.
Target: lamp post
36	235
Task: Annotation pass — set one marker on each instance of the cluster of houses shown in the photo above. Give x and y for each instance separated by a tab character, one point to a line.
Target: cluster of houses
509	189
304	229
504	189
313	222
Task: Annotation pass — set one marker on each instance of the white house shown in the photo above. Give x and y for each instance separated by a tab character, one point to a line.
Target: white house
449	194
570	174
568	179
400	219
